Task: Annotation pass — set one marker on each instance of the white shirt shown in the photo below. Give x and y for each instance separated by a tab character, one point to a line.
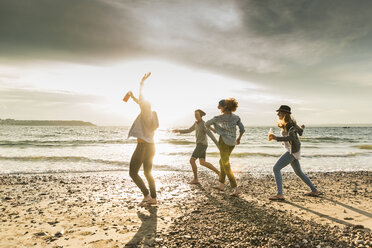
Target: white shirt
142	130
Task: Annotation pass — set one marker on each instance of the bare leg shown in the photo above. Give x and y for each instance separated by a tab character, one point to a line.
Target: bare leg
195	171
208	165
221	185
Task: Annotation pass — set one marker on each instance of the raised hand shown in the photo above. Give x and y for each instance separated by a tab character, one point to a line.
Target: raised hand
146	76
303	126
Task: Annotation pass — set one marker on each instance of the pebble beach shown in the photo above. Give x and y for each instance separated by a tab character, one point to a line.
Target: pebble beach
101	210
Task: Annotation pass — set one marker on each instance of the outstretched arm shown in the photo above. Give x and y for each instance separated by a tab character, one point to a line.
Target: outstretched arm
189	130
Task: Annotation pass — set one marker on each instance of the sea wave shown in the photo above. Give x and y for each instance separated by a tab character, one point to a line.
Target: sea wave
239	155
364	147
262	154
77	170
63	143
75	159
346	155
178	142
327	139
26	143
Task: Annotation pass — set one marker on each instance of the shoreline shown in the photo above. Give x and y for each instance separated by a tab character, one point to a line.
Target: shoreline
186	171
100	210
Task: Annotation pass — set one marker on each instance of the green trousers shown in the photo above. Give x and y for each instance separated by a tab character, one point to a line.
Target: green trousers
225	152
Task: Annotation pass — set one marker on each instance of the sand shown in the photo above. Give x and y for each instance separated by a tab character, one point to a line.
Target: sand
101	210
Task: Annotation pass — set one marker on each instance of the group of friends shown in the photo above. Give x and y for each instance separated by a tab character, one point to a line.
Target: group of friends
225	125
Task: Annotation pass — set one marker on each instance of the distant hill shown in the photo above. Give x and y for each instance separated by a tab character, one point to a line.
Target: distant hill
12	122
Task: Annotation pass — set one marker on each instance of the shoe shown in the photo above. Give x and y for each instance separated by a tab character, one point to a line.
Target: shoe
276	198
313	193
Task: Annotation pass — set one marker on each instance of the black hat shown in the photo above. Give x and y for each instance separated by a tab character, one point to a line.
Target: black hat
201	112
284	109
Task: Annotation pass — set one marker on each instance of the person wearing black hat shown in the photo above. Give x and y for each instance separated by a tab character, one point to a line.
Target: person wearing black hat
289	131
201	133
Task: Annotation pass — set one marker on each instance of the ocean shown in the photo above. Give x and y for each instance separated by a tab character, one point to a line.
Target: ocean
40	149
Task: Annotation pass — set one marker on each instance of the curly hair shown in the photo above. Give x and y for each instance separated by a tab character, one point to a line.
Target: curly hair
231	104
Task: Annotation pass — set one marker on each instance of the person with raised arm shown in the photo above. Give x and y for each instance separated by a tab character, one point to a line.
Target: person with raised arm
291	142
201	133
225	125
143	128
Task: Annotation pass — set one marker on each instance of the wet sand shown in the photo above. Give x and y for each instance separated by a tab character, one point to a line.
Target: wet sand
101	210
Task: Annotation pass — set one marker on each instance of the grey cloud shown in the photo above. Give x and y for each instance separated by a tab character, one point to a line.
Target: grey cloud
276	43
66	30
315	20
315	29
239	37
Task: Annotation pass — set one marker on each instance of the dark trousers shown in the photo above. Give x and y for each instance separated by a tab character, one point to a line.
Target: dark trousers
143	154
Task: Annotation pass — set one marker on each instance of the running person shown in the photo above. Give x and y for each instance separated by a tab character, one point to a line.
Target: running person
225	125
289	131
201	133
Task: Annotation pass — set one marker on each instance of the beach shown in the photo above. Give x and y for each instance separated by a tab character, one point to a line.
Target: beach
100	209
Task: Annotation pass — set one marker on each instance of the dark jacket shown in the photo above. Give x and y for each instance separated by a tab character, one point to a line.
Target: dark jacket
292	138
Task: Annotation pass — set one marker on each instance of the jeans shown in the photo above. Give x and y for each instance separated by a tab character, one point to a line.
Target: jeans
283	161
143	154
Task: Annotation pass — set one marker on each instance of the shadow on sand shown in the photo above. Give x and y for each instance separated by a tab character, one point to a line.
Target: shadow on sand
147	232
266	222
342	222
359	211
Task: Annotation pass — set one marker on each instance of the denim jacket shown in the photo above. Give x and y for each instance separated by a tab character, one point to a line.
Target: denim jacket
225	126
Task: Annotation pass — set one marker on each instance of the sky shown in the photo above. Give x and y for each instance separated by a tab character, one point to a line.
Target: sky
76	59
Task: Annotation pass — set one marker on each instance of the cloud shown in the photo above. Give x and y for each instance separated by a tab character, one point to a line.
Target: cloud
238	38
298	51
65	30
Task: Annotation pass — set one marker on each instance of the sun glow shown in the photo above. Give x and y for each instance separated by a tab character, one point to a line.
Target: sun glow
174	90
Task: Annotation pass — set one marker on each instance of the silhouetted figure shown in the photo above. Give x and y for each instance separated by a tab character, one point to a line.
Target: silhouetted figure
143	129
